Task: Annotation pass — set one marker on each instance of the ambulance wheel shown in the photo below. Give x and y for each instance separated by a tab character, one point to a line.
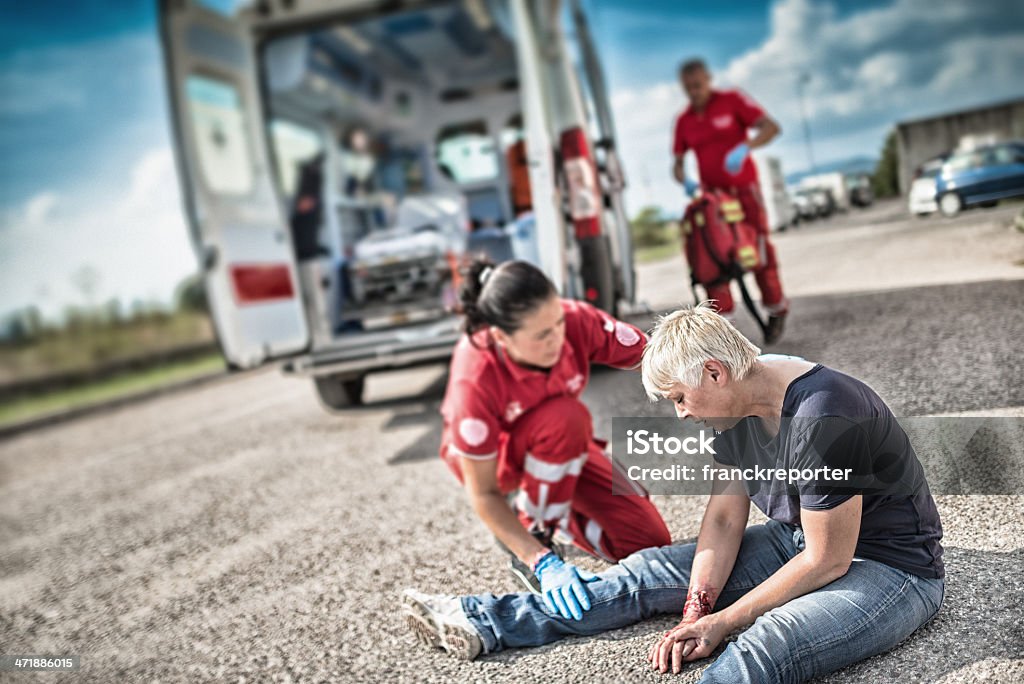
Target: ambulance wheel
338	392
950	204
598	273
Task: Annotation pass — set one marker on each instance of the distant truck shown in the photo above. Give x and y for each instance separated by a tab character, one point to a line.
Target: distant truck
444	90
782	213
834	183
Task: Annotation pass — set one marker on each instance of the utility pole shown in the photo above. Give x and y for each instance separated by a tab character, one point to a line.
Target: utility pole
801	81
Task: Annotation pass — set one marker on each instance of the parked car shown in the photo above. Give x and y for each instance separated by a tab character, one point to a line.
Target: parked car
921	199
822	203
858	186
982	176
833	183
805	210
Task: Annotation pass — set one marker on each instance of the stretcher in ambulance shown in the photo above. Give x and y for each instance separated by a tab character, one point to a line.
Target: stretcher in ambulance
340	159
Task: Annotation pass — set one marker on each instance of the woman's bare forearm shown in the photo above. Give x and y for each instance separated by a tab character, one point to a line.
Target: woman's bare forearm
717	548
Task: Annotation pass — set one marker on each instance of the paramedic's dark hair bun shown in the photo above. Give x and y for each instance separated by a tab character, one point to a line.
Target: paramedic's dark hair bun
501	295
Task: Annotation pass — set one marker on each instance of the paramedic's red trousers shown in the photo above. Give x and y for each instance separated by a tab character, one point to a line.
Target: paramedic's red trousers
767	275
565	480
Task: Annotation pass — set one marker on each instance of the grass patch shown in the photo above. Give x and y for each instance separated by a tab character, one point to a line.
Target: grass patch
116	387
91	342
654	237
660	252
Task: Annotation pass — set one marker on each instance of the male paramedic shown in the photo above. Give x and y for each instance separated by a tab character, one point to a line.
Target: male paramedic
716	126
838	573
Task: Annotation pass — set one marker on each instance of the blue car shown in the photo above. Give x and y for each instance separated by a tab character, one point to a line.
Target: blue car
981	176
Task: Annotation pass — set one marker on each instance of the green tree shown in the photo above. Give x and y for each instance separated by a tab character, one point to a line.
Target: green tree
190	295
648	229
24	326
885	182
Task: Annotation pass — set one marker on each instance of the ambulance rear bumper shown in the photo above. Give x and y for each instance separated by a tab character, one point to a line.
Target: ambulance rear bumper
361	353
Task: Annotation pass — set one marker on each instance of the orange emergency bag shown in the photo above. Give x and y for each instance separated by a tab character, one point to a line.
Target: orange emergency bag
718	243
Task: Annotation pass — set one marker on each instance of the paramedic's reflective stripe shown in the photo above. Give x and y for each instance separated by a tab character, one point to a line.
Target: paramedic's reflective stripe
593	534
732	210
472	457
554	472
540	511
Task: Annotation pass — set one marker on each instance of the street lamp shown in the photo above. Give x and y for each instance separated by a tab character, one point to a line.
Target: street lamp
801	81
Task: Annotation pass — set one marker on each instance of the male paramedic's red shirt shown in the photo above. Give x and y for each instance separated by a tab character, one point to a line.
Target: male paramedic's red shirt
712	134
487	391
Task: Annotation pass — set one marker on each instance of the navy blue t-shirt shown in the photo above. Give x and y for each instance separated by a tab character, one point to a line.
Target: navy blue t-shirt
833	420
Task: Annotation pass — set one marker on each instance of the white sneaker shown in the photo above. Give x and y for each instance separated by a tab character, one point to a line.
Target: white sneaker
438	620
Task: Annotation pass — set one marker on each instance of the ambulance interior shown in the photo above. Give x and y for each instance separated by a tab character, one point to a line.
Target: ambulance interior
409	120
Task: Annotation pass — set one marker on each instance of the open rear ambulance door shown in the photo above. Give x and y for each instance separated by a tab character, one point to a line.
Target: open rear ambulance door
238	227
551	238
613	176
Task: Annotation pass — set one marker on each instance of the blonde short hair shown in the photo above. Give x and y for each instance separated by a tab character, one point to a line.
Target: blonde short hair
684	340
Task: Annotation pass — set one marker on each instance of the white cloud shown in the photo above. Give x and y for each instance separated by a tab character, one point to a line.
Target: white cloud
39	208
981	60
135	237
880	62
866	71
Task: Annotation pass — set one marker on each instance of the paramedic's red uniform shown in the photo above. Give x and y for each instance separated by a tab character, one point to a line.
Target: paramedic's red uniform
712	134
541	435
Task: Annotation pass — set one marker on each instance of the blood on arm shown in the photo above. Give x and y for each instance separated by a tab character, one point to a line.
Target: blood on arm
699	602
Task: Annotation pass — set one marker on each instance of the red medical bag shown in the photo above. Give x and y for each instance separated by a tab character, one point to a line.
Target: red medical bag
718	243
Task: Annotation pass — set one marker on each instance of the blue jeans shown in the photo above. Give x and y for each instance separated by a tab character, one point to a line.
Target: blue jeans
869	610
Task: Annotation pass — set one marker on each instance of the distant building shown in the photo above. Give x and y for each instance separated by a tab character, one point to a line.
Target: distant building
923	139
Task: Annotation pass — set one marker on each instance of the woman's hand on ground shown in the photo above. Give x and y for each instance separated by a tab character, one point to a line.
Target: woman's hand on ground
667	644
689	640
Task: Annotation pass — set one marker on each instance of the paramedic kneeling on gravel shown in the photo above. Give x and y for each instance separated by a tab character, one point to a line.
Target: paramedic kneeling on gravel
513	419
715	127
831	579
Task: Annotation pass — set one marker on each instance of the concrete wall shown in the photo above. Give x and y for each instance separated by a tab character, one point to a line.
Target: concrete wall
923	139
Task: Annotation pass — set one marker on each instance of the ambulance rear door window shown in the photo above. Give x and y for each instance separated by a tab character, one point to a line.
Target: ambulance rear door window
220	134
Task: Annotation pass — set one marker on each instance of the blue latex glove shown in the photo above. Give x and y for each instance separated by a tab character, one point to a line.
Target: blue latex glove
734	160
561	585
691	186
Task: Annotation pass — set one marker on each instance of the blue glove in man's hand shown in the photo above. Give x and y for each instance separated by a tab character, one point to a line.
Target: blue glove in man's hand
691	186
734	160
561	584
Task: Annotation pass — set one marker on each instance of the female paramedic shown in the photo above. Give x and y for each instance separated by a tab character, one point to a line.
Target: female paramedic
513	419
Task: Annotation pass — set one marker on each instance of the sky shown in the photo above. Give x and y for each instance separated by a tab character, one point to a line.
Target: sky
88	178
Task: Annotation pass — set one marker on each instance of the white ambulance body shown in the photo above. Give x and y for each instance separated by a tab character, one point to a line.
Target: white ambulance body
262	94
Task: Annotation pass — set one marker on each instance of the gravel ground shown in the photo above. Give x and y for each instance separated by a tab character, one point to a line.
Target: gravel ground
235	531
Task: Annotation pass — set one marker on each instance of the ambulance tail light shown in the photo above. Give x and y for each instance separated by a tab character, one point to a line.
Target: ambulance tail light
581	179
261	283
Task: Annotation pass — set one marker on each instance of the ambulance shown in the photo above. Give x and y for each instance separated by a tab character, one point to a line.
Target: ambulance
422	132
